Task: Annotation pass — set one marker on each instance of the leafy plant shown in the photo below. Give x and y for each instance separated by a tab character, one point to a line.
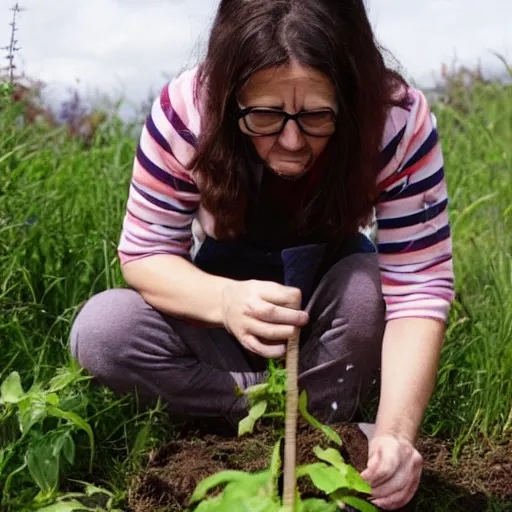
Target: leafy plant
46	425
339	480
254	492
266	400
69	503
329	432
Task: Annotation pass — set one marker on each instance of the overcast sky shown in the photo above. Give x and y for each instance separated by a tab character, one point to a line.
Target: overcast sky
132	46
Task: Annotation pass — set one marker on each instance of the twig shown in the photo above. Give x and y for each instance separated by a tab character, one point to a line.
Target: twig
12	48
292	405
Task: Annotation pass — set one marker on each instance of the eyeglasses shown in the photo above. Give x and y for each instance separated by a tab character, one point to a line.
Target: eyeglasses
260	121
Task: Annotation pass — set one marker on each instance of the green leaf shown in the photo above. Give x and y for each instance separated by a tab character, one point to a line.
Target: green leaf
244	492
354	502
275	470
52	399
331	456
246	426
303	409
141	440
211	505
58	441
33	409
68	506
11	391
256	390
239	503
275	463
209	483
66	376
353	478
325	478
250	504
248	487
17	471
68	449
79	423
258	410
256	504
91	490
317	505
43	465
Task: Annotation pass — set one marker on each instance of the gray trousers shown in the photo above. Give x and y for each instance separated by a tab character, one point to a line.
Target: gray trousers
130	346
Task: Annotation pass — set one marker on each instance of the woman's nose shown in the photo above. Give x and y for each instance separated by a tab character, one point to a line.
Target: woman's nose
291	137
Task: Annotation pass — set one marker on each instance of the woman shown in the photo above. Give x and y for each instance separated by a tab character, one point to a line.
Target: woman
253	176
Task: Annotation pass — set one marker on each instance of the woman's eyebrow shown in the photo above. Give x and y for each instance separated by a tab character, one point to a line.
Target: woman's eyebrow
275	107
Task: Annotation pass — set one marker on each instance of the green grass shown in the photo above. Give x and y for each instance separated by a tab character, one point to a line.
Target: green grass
474	392
61	207
61	204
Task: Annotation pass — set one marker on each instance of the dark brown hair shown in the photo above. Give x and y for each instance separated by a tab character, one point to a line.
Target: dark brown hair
332	36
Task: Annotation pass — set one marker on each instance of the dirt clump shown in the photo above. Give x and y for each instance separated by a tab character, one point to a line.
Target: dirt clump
174	471
481	472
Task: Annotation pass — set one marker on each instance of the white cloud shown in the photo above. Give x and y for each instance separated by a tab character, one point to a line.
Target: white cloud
130	46
423	34
109	44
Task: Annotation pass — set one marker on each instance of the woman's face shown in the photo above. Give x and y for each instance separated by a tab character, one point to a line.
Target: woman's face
293	89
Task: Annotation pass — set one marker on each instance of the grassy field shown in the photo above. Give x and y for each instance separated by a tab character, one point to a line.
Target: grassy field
61	207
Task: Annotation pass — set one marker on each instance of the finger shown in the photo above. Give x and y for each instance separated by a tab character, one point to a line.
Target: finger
281	295
384	470
373	463
271	313
270	332
269	351
395	484
398	491
398	499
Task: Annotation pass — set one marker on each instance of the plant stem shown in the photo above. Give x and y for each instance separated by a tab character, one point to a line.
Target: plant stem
12	44
290	436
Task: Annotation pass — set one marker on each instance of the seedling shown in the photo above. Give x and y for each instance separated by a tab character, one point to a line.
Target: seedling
338	481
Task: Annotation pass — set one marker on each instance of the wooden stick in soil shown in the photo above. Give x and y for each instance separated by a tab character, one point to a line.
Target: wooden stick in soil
290	435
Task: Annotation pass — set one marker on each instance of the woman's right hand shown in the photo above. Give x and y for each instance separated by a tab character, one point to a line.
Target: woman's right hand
262	315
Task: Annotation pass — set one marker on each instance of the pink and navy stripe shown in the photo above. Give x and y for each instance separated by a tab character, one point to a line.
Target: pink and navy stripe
413	231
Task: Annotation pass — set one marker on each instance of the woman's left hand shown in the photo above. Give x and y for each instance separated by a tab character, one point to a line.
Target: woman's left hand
394	471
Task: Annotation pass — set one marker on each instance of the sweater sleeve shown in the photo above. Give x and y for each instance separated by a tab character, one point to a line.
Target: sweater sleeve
163	197
413	231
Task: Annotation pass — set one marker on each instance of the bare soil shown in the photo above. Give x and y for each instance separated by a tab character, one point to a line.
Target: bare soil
480	480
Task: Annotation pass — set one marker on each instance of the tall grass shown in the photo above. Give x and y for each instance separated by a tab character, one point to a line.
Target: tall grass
474	391
61	207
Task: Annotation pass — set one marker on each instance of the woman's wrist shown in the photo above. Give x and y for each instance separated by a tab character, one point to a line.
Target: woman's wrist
401	428
223	313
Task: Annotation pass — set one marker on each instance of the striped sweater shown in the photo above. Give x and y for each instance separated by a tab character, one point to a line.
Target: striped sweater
164	214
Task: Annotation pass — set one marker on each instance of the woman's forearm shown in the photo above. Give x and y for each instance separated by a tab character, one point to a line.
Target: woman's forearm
410	360
175	286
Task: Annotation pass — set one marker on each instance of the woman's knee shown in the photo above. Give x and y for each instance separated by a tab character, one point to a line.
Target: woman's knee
351	293
342	351
347	315
103	328
362	302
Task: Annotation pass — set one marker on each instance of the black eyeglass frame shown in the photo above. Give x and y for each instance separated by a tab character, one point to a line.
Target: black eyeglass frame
242	113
